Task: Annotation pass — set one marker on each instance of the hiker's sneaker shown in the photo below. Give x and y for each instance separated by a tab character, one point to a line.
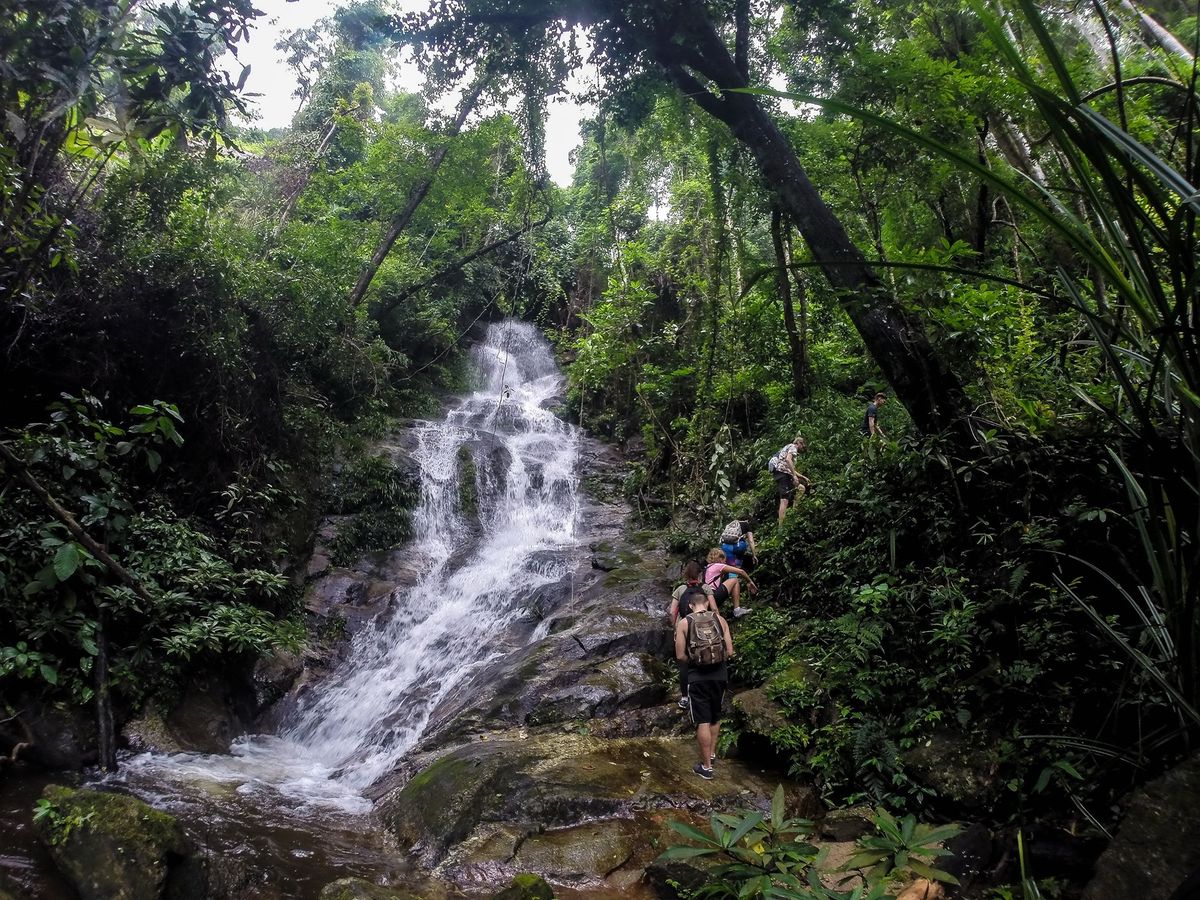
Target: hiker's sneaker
684	702
740	611
704	773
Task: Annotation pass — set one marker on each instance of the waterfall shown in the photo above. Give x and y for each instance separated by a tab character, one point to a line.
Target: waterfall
477	574
455	617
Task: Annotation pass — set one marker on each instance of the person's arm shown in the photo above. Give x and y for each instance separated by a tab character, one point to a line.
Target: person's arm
750	544
736	571
673	612
681	639
728	637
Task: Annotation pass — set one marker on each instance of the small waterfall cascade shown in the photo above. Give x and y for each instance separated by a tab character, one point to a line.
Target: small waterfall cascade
475	576
477	570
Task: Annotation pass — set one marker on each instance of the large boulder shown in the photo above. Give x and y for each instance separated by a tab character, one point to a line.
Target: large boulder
955	766
51	736
577	809
1158	844
109	846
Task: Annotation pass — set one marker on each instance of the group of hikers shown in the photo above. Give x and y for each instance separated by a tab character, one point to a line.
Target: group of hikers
703	642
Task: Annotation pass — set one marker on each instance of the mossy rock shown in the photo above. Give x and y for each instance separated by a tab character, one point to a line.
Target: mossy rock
594	848
554	781
958	767
361	889
109	846
759	714
527	887
468	490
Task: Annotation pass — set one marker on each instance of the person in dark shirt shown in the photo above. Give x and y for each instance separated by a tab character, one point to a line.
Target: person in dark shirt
871	427
706	684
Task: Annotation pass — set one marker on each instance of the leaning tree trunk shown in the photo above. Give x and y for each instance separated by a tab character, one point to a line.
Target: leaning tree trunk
894	337
415	197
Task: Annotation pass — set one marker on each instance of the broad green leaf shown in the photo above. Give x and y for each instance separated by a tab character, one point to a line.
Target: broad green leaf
777	807
49	673
744	828
66	561
930	872
692	833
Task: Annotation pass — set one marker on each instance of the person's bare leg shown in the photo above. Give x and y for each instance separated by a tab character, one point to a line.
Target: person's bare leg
736	592
702	742
714	732
783	505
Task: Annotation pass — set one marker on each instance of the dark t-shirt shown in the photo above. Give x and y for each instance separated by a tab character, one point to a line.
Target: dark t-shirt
719	672
872	412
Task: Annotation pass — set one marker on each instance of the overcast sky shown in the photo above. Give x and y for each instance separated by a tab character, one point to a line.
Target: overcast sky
271	78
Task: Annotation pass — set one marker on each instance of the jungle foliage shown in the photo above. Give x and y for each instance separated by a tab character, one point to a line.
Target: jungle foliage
183	364
777	209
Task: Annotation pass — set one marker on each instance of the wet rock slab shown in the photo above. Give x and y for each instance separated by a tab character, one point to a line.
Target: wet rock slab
578	809
109	846
1157	846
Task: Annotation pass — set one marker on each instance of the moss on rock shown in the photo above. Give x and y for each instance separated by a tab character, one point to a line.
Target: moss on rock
468	490
361	889
527	887
109	846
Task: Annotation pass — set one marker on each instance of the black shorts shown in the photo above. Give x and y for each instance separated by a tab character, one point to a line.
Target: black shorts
785	487
704	701
721	593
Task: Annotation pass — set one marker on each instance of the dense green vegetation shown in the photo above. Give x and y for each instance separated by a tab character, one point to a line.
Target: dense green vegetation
199	323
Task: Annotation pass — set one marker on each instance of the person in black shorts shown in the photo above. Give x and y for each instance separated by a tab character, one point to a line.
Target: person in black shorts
788	480
706	684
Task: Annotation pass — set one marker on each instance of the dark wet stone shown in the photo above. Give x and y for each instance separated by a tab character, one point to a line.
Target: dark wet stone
109	846
274	675
62	738
205	720
675	879
1157	846
957	767
841	825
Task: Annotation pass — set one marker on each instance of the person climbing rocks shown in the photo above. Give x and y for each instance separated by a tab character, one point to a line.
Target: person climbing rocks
693	572
703	641
870	426
725	583
736	541
788	480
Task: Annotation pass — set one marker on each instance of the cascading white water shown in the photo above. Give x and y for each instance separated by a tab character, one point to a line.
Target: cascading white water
475	577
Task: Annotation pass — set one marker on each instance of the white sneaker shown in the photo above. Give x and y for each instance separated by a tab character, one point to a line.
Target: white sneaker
740	611
683	702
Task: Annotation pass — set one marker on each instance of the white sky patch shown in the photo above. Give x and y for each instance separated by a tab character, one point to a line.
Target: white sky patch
275	82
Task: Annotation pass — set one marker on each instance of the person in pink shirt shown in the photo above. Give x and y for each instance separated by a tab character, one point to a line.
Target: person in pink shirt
724	580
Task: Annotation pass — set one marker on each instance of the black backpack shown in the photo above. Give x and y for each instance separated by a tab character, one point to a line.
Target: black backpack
705	639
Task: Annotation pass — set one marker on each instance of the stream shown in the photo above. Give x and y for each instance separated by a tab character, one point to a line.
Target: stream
291	804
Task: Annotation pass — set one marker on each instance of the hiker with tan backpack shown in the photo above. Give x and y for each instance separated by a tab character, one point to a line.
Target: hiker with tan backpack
703	641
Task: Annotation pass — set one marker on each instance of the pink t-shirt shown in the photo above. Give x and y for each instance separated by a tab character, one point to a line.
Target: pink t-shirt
712	574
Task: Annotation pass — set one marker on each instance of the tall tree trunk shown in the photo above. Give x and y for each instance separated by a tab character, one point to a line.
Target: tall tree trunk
921	379
1158	36
802	295
783	284
416	196
106	739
